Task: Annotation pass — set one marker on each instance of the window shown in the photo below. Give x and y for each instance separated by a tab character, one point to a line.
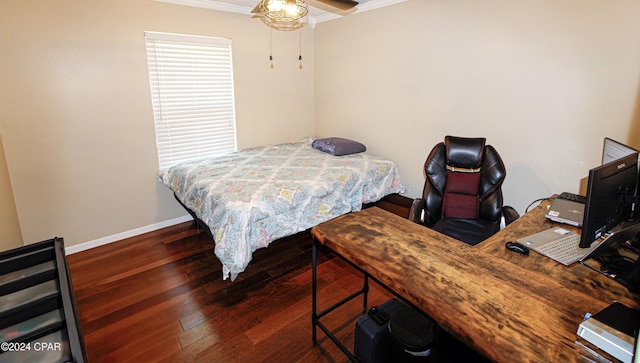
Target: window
191	81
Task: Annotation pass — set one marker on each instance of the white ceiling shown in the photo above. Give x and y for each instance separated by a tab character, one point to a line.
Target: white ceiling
318	12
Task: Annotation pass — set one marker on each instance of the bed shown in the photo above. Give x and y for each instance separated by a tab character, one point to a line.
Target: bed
252	197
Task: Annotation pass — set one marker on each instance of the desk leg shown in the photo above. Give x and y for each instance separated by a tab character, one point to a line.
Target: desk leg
365	292
316	316
314	306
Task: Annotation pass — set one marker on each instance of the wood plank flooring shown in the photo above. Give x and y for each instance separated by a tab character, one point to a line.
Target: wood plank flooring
160	297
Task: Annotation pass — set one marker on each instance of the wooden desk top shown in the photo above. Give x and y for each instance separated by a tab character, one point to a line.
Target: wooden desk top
509	307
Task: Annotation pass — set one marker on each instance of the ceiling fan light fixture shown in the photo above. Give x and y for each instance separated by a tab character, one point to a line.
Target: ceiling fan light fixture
284	10
283	25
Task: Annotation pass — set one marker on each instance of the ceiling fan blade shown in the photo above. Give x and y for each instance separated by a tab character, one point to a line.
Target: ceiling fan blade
340	4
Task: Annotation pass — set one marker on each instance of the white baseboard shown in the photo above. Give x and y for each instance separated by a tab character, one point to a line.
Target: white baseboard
117	237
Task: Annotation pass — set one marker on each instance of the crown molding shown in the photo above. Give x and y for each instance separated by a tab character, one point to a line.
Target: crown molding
210	4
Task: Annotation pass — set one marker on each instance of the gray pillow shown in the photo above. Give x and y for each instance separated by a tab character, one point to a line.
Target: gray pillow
338	146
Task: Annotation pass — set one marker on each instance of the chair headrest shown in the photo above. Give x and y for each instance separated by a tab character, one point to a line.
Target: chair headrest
464	152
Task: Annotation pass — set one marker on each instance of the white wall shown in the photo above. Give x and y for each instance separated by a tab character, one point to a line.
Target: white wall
544	81
75	109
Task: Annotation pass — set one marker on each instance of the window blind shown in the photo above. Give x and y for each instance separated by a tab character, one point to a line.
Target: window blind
191	80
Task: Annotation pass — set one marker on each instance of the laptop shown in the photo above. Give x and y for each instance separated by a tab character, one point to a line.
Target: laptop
561	244
566	211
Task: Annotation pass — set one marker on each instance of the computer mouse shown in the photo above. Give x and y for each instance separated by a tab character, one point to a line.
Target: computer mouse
517	247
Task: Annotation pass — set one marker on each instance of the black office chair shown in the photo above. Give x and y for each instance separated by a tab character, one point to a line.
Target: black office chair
462	195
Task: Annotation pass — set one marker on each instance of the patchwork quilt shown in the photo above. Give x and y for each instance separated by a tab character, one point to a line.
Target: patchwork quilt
252	197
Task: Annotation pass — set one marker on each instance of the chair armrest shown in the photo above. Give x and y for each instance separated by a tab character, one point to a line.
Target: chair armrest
510	214
417	212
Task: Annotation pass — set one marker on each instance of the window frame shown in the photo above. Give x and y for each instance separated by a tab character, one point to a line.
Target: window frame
192	95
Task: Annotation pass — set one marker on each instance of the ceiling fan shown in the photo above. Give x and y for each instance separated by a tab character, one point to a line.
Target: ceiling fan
340	4
291	15
286	14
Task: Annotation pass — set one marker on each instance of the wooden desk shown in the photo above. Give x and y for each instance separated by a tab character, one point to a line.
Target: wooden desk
507	306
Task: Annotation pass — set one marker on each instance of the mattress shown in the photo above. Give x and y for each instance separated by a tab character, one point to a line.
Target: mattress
252	197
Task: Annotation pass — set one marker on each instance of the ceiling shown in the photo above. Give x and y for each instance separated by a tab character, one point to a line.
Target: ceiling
318	12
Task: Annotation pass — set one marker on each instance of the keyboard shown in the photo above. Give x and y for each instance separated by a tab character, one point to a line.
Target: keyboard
573	197
565	250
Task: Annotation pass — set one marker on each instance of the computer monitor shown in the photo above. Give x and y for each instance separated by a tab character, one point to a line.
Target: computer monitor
614	150
610	197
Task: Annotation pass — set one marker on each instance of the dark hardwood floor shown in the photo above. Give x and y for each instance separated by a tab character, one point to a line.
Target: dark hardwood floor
160	297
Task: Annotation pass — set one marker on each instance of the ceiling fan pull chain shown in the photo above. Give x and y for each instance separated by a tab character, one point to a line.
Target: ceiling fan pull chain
271	47
300	49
